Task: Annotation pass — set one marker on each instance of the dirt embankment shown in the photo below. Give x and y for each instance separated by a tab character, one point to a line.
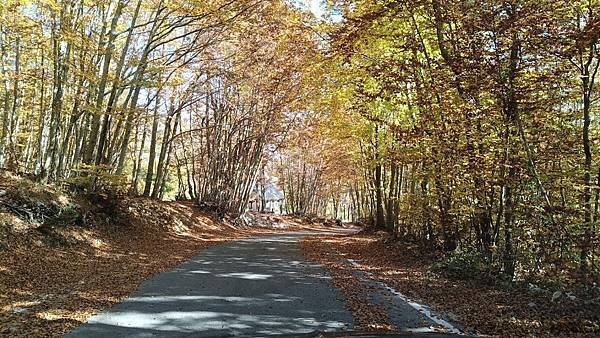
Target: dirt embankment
64	258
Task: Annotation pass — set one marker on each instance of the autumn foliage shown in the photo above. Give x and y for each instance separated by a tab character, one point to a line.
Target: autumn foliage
469	126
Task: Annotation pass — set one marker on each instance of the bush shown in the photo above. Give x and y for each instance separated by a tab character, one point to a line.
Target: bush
69	215
93	178
463	264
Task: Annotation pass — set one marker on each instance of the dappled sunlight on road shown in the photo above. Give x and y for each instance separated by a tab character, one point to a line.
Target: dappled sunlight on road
250	286
211	323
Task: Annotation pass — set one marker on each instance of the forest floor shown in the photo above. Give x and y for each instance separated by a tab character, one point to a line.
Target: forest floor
65	258
476	306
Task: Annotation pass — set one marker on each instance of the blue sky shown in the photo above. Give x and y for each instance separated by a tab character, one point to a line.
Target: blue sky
315	6
318	8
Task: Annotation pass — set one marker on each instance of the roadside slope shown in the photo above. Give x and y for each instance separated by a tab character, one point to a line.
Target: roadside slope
479	307
64	258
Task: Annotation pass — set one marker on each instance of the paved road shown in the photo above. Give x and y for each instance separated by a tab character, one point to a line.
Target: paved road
252	287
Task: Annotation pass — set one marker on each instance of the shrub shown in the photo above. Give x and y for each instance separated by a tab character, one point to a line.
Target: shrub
463	264
69	215
98	178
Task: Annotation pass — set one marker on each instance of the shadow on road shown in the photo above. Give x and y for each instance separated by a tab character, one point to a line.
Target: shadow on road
258	287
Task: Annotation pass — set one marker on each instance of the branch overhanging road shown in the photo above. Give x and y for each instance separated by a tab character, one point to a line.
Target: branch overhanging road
255	287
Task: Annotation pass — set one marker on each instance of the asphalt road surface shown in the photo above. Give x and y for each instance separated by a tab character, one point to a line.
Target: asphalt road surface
256	287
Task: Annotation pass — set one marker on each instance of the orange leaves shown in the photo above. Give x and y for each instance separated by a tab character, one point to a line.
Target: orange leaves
480	307
367	315
47	288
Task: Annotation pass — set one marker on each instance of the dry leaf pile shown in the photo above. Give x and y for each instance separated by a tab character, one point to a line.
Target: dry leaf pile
479	308
368	316
53	280
47	289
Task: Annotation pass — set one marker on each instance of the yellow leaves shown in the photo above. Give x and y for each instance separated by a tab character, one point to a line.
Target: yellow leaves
371	86
52	5
57	314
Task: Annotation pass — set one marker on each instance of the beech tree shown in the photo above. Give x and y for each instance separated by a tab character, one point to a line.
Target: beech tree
473	126
461	126
123	94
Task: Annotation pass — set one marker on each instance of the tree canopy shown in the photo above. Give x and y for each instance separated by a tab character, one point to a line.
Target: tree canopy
464	126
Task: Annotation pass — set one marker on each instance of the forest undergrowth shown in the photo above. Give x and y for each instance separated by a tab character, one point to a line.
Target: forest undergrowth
479	304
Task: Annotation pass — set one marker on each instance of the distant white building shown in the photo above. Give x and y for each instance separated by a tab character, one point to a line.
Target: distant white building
266	198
